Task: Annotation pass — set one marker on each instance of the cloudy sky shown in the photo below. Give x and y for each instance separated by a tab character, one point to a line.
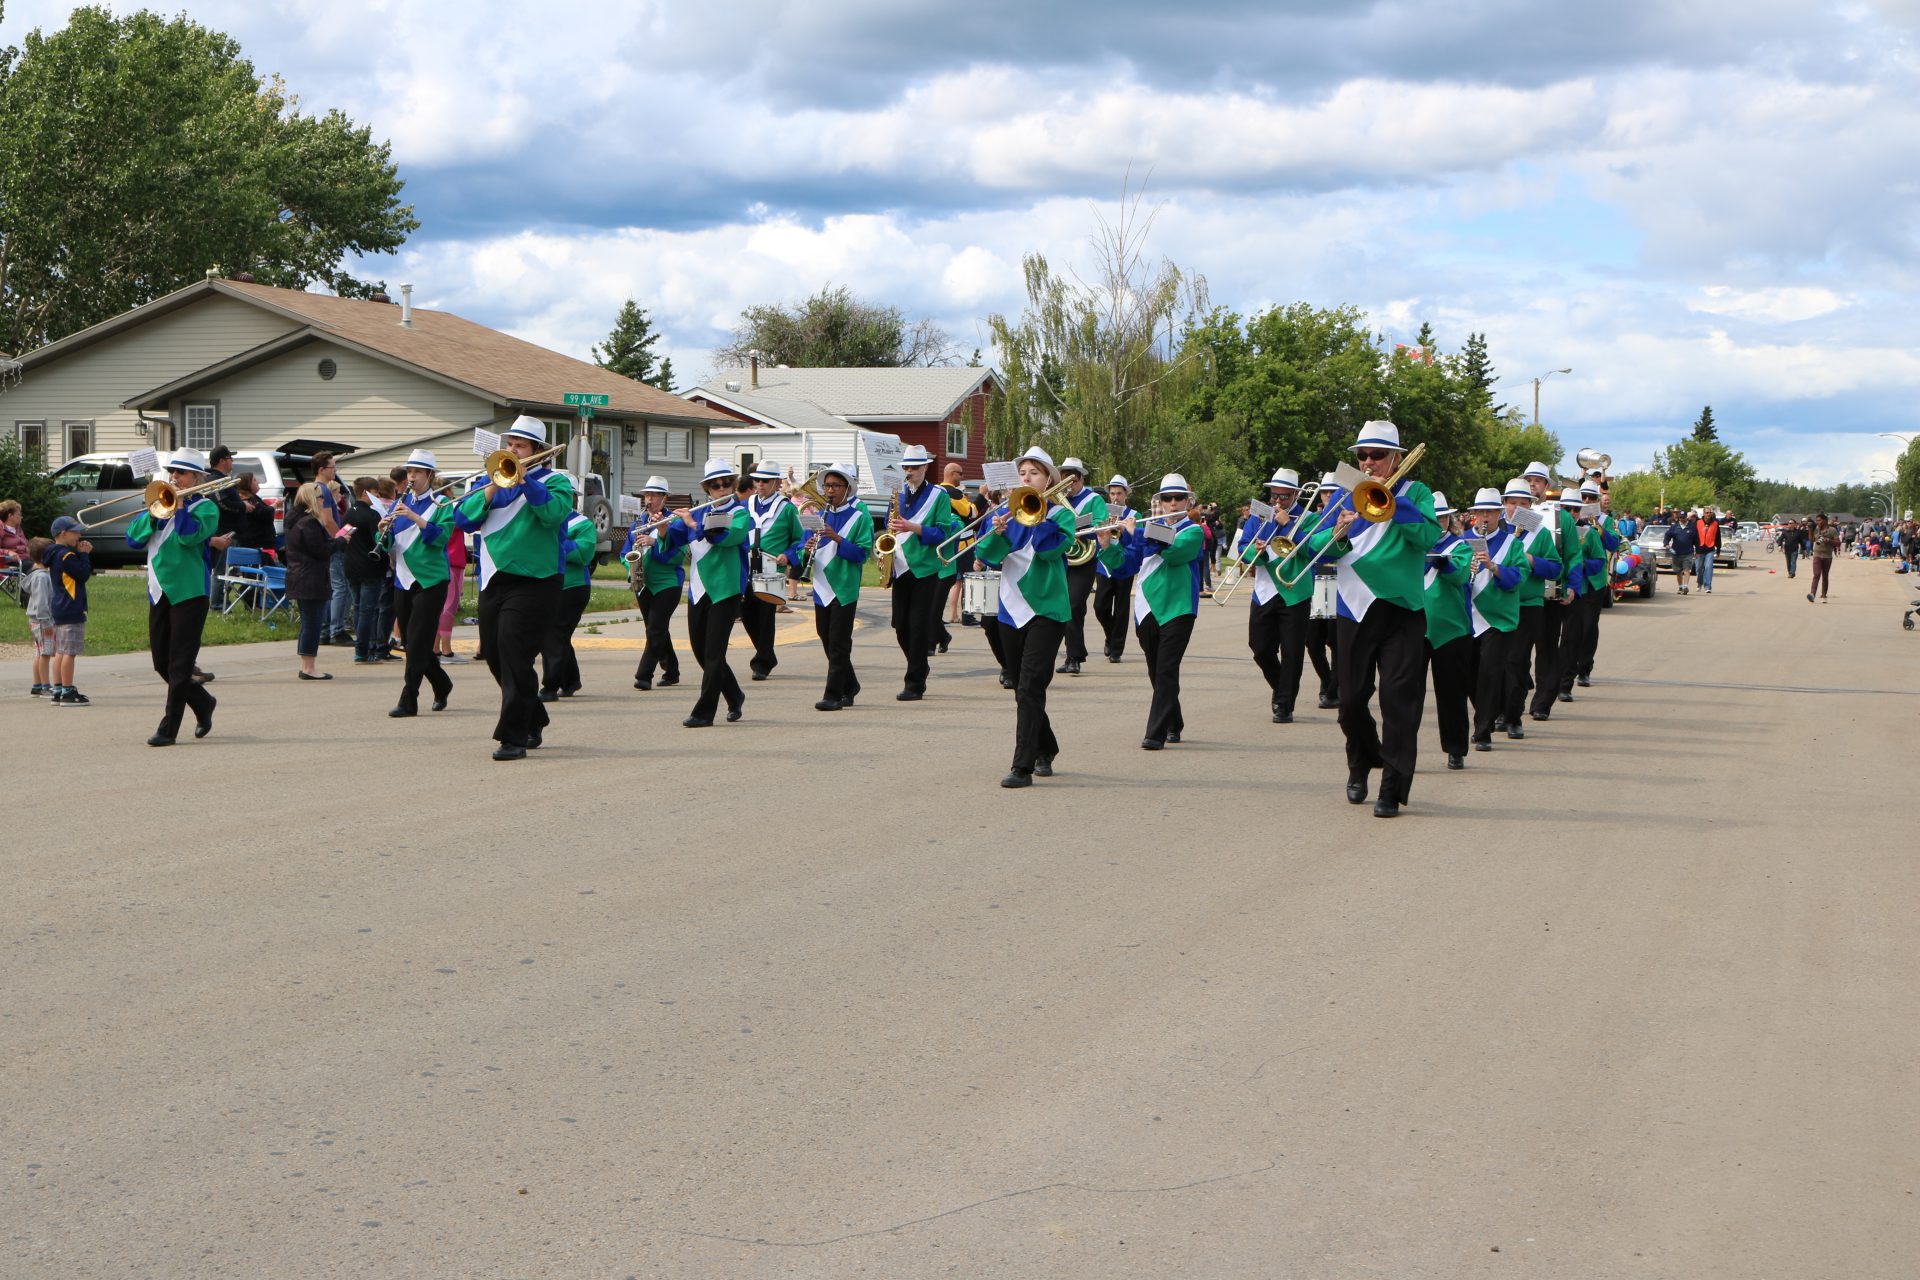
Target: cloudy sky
1687	203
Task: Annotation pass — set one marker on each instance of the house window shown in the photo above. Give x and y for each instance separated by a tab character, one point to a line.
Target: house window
203	426
669	444
956	439
79	439
33	440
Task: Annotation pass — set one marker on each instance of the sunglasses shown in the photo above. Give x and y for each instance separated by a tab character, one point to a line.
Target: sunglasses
1372	455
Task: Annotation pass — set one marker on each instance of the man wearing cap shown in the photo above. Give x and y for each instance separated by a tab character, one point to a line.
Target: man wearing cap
1089	510
1113	592
1033	613
178	577
520	530
656	581
418	525
840	549
1277	619
1498	571
715	536
1166	553
1449	601
922	523
1558	597
776	534
1542	567
1381	571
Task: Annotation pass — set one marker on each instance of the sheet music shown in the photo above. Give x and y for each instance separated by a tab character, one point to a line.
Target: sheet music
1527	520
812	521
1158	532
632	506
1478	543
484	442
1590	512
1001	476
144	462
716	520
1346	475
1259	510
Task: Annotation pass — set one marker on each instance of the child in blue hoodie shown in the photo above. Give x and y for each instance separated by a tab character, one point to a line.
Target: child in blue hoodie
69	565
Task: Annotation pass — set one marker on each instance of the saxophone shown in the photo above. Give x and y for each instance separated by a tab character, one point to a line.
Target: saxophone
886	543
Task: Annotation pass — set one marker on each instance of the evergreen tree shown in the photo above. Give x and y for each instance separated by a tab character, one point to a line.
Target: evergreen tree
629	349
1703	428
664	378
1477	368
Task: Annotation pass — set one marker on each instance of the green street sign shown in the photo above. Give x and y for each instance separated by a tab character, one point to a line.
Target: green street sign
586	413
585	397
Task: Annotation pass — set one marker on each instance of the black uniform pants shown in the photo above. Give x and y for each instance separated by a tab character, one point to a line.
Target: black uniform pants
1030	653
1113	610
1079	587
1590	638
709	628
1514	704
1546	657
515	612
990	623
916	600
657	607
1452	667
1277	634
559	667
1388	646
833	623
418	610
173	634
1164	645
1581	617
756	618
1492	655
1322	650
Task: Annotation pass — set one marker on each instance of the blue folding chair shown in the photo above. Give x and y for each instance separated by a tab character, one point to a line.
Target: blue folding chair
260	586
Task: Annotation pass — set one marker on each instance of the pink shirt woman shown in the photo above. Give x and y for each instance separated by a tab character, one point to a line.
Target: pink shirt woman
457	571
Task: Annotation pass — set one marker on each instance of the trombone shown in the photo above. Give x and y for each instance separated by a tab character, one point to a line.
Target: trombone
1280	544
1371	500
160	498
503	469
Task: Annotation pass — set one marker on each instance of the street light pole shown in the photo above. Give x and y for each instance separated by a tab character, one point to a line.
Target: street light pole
1536	391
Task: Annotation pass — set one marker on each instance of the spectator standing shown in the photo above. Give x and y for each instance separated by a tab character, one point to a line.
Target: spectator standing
1826	541
1792	539
326	479
1706	538
367	567
68	566
39	599
456	582
1683	540
310	547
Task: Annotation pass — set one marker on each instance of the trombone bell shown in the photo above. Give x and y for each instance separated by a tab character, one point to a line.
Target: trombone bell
1373	501
1027	505
160	499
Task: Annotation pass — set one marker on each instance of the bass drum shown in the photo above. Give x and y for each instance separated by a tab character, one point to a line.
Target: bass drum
1326	598
980	593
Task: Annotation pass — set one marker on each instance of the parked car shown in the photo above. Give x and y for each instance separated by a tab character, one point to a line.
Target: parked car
1750	531
1642	573
100	477
1727	554
1653	544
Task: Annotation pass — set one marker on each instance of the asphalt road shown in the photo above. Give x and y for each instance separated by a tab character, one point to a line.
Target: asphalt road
332	995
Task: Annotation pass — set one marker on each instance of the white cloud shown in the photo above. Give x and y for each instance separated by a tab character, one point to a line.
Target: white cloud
1781	305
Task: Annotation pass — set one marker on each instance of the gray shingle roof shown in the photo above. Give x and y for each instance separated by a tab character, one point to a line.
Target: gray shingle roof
786	411
857	394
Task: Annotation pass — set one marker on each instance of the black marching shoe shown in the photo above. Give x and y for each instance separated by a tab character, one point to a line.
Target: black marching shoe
1455	760
697	722
1328	704
1480	744
507	751
202	725
1499	723
1173	736
1282	717
1006	681
1017	778
1151	744
908	695
734	713
402	712
159	740
642	685
1386	807
1356	791
440	703
1515	731
667	682
1566	697
1113	657
570	690
1043	767
533	740
1067	669
827	704
549	695
1583	682
758	674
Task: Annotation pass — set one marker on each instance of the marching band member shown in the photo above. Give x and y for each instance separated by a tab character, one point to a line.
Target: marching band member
776	537
1113	594
990	621
1543	566
1089	509
1033	613
1497	574
1381	631
1607	531
656	583
1321	649
179	575
715	536
1277	619
1166	554
840	551
1450	633
519	530
1564	536
1579	638
418	524
922	523
559	666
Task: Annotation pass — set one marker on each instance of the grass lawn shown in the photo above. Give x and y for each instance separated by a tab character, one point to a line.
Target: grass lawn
117	616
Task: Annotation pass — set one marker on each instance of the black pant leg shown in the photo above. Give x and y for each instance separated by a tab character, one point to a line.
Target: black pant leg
521	613
1031	650
1263	638
756	616
1573	640
185	620
1112	608
1513	698
1402	657
559	666
1546	657
657	609
937	633
1320	647
1449	666
1293	648
833	623
1590	646
710	627
996	643
1493	652
1164	717
914	599
419	610
1356	650
1079	587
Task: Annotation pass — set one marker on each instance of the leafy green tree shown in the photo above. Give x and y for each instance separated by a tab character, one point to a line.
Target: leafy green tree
1730	474
628	350
1641	492
1703	428
1512	442
138	152
23	477
835	330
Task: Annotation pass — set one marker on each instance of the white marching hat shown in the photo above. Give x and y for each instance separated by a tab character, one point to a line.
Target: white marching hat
654	484
1041	456
1517	488
1571	499
1378	434
916	456
1441	507
1590	490
1120	482
1328	484
842	469
716	469
188	460
1074	464
1174	482
764	471
423	459
528	429
1284	478
1487	500
1538	469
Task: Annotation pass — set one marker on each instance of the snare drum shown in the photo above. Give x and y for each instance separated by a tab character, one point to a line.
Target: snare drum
771	587
1326	598
980	593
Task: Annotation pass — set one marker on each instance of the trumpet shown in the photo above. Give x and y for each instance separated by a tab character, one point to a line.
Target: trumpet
160	498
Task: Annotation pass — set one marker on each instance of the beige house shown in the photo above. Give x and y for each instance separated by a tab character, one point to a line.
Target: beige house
252	367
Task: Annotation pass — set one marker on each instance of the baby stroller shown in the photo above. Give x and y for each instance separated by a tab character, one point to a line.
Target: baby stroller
1907	620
